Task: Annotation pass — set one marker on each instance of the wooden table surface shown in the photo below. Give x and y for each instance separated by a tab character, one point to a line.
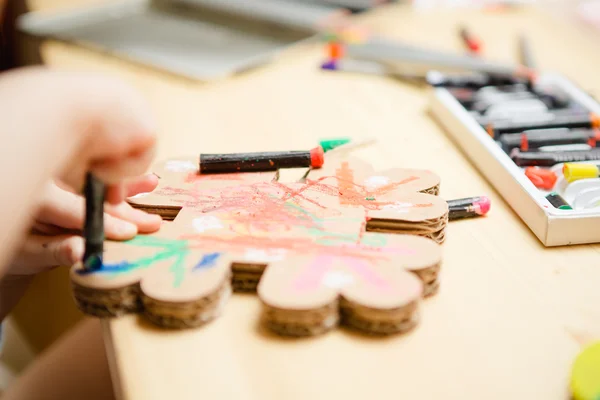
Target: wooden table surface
510	316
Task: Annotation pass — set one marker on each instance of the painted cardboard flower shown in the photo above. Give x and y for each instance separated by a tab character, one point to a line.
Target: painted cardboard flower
310	240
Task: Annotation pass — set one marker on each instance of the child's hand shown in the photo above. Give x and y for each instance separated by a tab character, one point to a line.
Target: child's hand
56	236
60	126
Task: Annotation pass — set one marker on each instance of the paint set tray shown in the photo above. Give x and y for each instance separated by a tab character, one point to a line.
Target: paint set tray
552	226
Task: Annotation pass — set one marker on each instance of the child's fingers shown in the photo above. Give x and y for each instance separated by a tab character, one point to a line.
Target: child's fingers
114	229
143	184
146	223
45	229
89	122
115	194
66	210
62	209
119	229
140	184
39	253
75	123
116	169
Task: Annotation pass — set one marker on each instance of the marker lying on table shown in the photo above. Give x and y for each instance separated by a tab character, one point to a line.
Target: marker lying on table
563	120
548	159
369	68
468	207
534	139
573	172
471	81
93	230
471	42
399	54
261	161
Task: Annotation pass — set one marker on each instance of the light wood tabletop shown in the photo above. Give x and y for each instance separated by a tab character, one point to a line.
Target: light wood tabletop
510	316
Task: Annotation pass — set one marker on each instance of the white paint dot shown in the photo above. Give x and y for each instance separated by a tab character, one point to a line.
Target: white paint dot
337	279
181	166
262	255
206	223
374	182
399	207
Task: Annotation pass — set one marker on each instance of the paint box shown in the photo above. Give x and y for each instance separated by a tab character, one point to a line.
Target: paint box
552	226
199	39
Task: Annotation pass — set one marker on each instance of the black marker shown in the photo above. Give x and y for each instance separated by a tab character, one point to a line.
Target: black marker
524	117
558	201
468	207
93	230
265	161
548	159
554	97
534	139
473	81
501	98
464	96
562	120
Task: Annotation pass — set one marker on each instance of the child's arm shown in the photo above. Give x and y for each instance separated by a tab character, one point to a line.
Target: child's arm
59	125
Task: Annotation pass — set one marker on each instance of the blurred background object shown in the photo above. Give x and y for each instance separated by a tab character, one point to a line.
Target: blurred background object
200	39
437	4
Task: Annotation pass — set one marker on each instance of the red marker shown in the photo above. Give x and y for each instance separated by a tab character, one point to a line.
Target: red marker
472	43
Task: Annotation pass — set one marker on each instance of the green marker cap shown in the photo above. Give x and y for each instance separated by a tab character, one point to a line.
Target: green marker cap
329	37
330	144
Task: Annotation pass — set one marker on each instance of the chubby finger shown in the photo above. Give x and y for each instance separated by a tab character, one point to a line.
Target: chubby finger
117	169
119	229
62	209
143	184
66	210
45	229
115	194
145	223
39	253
